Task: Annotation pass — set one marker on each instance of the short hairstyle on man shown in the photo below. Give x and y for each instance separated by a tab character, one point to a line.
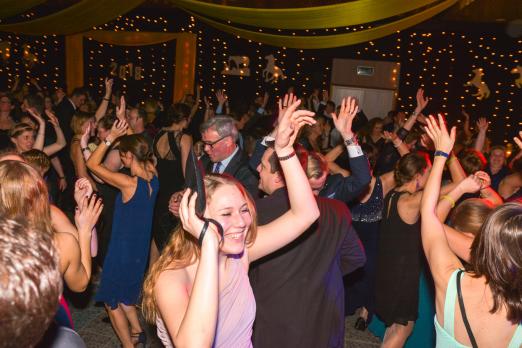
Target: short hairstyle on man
78	91
224	126
30	283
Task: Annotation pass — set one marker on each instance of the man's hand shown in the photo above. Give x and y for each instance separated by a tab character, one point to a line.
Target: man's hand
343	121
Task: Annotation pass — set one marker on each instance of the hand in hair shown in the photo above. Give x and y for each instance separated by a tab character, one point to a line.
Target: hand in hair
289	126
118	129
84	140
82	189
438	133
191	222
518	140
471	184
343	121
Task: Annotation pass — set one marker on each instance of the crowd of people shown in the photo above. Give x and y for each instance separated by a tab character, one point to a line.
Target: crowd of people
258	222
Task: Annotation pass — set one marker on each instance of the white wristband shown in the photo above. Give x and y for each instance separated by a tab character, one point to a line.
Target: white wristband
354	151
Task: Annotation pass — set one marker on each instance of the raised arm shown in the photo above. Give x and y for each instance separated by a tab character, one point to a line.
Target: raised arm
191	320
441	259
447	202
482	125
60	138
303	206
57	165
102	108
94	163
422	102
40	136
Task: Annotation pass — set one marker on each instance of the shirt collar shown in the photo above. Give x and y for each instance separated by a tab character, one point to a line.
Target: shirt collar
226	161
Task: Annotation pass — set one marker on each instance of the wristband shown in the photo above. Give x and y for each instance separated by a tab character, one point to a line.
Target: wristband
61	177
397	144
202	233
284	158
441	153
449	199
354	151
106	99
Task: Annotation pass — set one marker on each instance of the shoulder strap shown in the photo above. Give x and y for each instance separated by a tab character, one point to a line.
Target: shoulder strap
449	304
463	312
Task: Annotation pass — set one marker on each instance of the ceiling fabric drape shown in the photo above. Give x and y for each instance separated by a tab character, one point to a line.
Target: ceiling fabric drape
319	17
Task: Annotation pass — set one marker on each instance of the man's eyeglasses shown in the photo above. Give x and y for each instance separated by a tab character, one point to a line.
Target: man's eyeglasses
211	144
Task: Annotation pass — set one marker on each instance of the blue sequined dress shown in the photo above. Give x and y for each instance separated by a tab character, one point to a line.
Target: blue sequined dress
366	219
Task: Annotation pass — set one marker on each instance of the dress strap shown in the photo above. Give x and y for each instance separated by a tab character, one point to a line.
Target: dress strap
449	304
463	311
516	340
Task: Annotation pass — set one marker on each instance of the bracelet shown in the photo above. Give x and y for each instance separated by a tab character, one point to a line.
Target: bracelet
107	99
61	177
449	199
402	133
441	153
284	158
202	233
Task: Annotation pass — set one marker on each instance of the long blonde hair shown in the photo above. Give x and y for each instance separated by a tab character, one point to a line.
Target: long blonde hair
183	250
23	194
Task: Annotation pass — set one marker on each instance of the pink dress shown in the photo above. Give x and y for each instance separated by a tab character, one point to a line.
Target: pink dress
236	312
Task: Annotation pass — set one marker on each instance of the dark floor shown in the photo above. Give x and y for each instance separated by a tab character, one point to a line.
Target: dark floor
88	321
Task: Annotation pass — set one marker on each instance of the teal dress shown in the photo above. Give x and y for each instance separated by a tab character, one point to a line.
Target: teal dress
128	253
446	335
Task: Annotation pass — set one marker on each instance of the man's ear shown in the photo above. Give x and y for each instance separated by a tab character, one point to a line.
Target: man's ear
279	178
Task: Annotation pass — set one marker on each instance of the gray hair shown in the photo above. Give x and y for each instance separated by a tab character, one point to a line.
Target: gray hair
224	126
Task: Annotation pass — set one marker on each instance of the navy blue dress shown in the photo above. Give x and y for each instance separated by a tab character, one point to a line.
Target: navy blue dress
128	254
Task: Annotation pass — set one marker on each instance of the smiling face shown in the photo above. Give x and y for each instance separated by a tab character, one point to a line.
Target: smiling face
229	207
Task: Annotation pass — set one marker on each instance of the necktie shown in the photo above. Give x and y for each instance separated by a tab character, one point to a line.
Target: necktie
217	168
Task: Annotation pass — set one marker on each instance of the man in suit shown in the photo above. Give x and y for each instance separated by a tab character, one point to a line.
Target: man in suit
66	109
299	289
222	154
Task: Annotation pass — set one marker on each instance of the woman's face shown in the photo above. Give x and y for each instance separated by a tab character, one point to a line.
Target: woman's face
230	209
25	141
377	129
48	102
102	133
423	177
126	159
88	123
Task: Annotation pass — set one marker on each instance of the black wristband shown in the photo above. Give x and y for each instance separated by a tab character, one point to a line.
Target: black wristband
61	177
106	99
203	232
402	133
218	226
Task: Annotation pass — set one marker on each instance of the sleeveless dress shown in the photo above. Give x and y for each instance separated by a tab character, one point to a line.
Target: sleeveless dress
171	180
128	253
366	219
398	266
446	334
236	312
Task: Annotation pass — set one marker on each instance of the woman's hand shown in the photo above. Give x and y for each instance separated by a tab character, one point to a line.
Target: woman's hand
485	179
108	87
82	189
84	140
289	125
439	134
120	110
283	104
190	221
471	184
87	213
518	140
52	119
118	129
37	116
482	125
343	121
422	101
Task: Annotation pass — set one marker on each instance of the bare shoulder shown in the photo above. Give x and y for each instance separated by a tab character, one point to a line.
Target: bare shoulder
172	281
61	222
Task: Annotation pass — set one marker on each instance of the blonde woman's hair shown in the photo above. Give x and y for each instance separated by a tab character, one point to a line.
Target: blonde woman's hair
23	194
183	249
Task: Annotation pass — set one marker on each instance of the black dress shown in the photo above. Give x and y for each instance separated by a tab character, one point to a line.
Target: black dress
171	180
398	266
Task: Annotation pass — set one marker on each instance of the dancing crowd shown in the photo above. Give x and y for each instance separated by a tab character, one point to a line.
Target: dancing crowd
262	222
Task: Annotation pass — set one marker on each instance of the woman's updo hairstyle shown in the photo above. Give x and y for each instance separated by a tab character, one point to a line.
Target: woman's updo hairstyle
409	166
138	146
176	113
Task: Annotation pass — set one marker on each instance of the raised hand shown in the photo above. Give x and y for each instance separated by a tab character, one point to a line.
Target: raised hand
482	125
221	97
465	114
120	111
438	132
289	125
108	87
343	121
422	101
207	103
283	104
52	118
390	136
518	140
427	142
190	221
82	189
84	140
36	115
471	184
88	212
118	129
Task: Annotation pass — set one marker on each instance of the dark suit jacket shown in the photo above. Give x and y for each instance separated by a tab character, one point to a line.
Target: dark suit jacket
239	169
299	288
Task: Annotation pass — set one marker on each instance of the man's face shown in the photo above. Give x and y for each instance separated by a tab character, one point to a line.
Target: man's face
217	148
266	177
317	184
79	100
497	158
132	118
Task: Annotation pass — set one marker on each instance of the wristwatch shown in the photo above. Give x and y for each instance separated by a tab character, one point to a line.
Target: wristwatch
107	142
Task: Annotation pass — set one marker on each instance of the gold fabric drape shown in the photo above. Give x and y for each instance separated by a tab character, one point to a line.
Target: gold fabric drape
10	8
328	16
74	19
185	54
336	40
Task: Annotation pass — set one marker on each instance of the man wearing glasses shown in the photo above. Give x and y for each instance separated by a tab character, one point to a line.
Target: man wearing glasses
222	154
